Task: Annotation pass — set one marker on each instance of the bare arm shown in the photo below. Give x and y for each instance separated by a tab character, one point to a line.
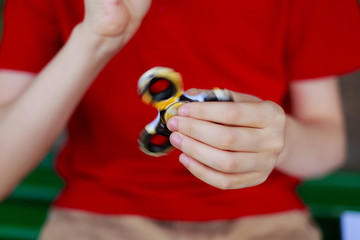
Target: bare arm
35	111
237	144
315	134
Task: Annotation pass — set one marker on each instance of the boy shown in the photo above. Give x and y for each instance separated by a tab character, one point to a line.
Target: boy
279	58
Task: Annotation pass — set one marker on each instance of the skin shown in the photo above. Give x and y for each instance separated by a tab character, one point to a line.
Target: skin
238	150
24	141
237	144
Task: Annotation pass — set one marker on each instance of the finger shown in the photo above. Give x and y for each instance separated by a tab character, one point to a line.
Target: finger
223	161
220	179
220	136
250	114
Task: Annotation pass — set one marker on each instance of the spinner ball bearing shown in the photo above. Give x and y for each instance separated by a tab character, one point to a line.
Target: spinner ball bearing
162	88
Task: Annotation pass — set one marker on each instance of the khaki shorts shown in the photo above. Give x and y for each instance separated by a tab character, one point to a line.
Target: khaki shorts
79	225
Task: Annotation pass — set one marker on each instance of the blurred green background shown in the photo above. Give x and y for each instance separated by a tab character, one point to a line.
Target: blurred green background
23	213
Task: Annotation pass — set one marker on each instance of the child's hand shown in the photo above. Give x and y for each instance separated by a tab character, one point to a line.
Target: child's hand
229	145
114	18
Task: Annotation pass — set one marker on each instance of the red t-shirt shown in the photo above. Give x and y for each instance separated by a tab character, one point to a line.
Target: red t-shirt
255	47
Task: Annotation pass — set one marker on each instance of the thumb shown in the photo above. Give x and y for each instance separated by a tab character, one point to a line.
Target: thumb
243	97
194	91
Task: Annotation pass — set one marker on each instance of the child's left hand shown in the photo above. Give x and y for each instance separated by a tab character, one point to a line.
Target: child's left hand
229	145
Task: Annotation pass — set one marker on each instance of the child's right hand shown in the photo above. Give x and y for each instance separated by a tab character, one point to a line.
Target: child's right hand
114	20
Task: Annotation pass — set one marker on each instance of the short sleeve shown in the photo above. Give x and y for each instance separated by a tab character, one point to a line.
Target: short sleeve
323	38
30	35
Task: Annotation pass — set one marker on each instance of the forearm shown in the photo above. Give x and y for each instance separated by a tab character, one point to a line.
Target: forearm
31	123
312	149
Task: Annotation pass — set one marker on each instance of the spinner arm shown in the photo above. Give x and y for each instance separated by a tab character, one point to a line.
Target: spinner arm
162	88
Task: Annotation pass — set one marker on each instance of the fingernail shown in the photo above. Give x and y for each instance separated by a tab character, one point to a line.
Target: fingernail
185	160
184	110
172	124
176	140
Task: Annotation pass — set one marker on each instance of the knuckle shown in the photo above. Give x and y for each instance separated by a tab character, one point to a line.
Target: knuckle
267	164
229	164
261	179
197	173
225	185
274	142
232	163
226	139
257	180
276	145
274	112
231	113
272	163
270	143
280	118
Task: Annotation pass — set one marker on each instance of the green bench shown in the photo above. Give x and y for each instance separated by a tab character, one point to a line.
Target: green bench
329	197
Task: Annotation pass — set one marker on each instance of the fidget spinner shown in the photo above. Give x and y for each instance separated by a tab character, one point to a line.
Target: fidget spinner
162	88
